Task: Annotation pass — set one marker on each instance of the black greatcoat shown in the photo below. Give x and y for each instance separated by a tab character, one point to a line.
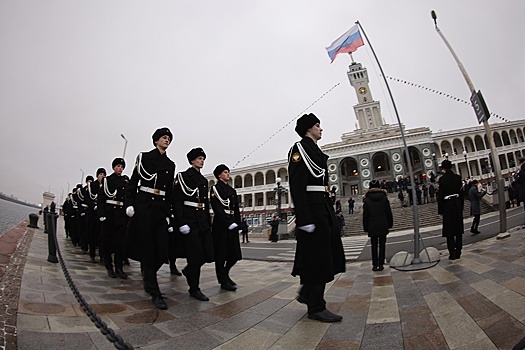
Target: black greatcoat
196	246
451	209
148	229
319	255
225	242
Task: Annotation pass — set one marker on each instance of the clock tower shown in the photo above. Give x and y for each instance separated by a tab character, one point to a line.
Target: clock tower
367	111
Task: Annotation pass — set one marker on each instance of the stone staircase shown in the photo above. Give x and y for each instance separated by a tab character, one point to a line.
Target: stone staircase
403	216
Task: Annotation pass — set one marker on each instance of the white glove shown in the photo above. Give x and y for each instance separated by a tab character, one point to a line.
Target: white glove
130	211
232	226
170	229
95	208
185	229
240	231
308	228
102	218
82	214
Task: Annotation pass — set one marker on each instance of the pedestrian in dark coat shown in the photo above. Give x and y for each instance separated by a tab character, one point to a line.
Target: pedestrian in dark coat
148	204
319	253
450	206
113	219
191	208
274	224
226	227
475	194
520	181
377	220
244	231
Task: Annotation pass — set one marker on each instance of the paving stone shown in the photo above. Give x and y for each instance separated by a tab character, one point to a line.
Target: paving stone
382	336
46	341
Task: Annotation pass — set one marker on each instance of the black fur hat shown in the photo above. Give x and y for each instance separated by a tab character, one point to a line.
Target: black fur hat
161	132
194	153
305	122
219	169
118	161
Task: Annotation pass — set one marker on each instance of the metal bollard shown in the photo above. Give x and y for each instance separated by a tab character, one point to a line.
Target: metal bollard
45	217
52	225
33	220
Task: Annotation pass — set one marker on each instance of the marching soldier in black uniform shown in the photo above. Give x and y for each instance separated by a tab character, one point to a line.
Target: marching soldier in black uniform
112	215
226	226
67	209
93	221
148	203
319	253
84	216
79	215
450	206
90	204
191	208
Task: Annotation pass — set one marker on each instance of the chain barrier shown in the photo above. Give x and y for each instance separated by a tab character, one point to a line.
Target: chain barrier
110	334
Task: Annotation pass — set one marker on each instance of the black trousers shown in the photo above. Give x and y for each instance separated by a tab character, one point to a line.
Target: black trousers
454	244
193	275
378	243
113	241
313	294
149	275
475	223
222	269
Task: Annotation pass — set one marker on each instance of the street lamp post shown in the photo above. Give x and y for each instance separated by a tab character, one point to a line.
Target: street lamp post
466	163
125	145
68	185
279	191
82	177
434	161
488	132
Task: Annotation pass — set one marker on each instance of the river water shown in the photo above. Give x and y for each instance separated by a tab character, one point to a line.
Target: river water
11	214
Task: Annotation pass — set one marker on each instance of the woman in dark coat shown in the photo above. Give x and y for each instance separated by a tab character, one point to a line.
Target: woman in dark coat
377	219
474	195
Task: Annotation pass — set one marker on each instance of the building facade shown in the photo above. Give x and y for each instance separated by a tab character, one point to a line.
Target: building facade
375	150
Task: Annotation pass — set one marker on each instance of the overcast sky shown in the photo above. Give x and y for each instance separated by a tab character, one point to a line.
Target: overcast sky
226	75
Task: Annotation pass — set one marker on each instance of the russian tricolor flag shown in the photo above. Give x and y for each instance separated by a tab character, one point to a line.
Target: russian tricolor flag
346	43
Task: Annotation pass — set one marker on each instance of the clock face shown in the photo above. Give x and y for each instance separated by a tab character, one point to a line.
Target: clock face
362	90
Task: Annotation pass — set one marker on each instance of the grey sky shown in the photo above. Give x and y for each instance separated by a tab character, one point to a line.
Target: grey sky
225	75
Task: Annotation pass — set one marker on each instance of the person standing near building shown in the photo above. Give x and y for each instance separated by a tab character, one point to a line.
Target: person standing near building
113	219
148	204
450	206
244	230
475	194
377	220
319	254
274	229
351	203
225	228
191	208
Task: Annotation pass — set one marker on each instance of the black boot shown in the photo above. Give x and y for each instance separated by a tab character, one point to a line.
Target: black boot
121	274
159	302
111	273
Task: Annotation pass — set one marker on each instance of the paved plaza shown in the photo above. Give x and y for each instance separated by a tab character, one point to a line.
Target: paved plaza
476	302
